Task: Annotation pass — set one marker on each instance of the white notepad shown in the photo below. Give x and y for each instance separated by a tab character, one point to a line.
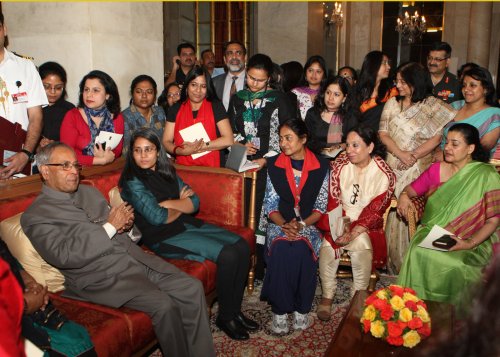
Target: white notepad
435	233
193	133
111	139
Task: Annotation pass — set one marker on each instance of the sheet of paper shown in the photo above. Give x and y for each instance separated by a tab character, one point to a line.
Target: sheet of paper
111	139
7	154
434	234
193	133
248	165
333	218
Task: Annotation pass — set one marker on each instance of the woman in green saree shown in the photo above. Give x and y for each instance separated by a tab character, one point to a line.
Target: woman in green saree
465	200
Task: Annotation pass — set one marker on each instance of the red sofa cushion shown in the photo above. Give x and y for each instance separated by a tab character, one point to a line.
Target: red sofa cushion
227	210
12	206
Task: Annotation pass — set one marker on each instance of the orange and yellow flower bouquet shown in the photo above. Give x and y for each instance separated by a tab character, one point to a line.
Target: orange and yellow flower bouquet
396	315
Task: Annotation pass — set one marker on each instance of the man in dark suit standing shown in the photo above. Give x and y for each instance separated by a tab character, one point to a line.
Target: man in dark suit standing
74	229
235	56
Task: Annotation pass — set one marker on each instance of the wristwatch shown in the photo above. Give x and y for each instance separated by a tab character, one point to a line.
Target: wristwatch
30	155
304	225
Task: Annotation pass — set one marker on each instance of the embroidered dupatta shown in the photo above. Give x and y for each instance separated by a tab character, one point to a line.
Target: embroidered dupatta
370	216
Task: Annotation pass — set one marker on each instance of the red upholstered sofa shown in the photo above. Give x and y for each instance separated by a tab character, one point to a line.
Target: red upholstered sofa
125	332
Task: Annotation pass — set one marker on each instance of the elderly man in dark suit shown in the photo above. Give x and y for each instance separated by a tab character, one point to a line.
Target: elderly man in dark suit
74	229
235	56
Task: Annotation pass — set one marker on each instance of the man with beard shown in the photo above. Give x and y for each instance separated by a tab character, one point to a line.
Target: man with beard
446	85
235	55
208	62
182	63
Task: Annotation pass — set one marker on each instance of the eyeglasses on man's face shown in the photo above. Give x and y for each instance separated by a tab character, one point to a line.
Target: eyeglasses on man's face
67	166
437	59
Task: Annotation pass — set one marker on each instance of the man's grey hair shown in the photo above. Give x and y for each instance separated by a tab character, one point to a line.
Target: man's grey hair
43	156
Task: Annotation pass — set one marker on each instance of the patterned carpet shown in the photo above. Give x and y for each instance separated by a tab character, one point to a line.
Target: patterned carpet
311	342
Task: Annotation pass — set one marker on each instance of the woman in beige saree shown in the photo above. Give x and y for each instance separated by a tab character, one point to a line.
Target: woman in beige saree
411	127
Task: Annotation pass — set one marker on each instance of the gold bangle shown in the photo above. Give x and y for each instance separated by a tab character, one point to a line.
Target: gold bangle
403	192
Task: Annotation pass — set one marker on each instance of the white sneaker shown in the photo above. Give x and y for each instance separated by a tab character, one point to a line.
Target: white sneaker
301	321
280	323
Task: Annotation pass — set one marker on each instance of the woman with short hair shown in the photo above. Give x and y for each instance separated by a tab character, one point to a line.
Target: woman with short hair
361	186
98	110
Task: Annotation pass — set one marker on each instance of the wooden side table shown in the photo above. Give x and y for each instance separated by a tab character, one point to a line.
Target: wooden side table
350	341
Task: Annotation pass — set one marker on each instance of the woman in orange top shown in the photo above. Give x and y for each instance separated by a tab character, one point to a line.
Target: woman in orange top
374	88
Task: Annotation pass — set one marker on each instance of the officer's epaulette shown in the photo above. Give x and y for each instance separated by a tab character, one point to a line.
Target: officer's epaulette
25	57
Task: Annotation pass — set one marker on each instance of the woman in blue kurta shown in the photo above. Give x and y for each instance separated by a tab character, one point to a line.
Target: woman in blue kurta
296	196
163	204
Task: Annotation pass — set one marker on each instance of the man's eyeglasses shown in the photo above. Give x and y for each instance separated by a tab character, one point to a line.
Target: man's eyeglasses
437	59
148	150
66	165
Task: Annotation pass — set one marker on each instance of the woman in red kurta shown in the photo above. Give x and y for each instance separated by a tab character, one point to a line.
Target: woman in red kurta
362	184
198	104
98	110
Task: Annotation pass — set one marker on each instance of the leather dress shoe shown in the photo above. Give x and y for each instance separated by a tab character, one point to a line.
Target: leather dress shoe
248	324
233	329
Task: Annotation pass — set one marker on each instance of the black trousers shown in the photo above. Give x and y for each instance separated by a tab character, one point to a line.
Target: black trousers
232	271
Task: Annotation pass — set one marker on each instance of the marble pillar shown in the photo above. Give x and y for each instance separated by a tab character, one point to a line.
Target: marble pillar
282	30
478	50
121	39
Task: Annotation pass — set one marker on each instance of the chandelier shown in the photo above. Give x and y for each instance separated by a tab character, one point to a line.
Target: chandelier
411	27
336	18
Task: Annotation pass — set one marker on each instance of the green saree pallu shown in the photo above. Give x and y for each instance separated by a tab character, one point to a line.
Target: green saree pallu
461	205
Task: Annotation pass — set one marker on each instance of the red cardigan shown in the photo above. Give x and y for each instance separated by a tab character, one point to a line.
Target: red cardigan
75	132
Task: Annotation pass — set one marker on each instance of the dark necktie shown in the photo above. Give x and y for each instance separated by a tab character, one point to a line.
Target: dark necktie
232	91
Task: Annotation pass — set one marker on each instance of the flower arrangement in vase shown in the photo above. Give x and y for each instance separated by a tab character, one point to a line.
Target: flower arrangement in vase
396	315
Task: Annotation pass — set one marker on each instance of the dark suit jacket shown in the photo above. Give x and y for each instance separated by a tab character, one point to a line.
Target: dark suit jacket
219	82
67	231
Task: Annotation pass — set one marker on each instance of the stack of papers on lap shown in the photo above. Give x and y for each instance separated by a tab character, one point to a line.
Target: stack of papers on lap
435	233
237	159
111	139
193	133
